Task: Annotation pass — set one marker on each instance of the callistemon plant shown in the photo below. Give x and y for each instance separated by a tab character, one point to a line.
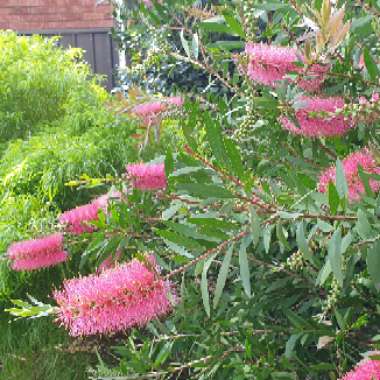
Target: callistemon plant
365	370
126	296
363	158
316	118
147	176
37	253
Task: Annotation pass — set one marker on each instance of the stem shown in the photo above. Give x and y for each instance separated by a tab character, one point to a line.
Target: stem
205	255
205	66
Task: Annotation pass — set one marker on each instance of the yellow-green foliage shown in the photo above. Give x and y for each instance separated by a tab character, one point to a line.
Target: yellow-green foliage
41	84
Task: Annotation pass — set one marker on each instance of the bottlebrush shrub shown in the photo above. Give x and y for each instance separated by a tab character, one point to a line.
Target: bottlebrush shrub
276	279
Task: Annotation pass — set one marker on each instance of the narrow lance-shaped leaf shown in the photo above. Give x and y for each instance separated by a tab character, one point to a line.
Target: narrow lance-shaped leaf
222	276
341	183
244	265
195	45
333	198
204	285
363	226
215	139
185	44
373	263
255	226
335	256
302	243
370	64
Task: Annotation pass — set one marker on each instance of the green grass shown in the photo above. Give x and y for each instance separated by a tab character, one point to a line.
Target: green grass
39	350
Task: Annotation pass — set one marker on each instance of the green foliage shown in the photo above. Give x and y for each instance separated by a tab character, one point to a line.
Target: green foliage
38	350
41	85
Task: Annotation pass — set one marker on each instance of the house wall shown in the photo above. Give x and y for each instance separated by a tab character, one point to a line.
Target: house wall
40	15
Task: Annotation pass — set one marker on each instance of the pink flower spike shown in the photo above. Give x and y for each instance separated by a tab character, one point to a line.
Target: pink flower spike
365	370
37	253
77	220
129	295
147	176
148	109
351	165
269	64
316	118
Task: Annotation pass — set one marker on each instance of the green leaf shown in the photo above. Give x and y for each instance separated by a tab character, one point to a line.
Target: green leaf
235	161
226	45
214	27
205	191
335	256
222	275
185	44
290	344
195	45
267	236
255	226
341	183
169	162
363	226
373	264
302	243
324	273
244	265
333	198
234	24
215	139
204	285
370	65
180	240
163	354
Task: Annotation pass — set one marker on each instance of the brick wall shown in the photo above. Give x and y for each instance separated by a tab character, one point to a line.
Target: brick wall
31	15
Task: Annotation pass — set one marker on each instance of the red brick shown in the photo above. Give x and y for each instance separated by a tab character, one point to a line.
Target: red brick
54	14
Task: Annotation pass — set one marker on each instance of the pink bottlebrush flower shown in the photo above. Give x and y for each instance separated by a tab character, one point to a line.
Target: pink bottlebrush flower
126	296
351	164
149	109
365	370
151	112
315	76
77	220
37	253
316	118
268	64
147	176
